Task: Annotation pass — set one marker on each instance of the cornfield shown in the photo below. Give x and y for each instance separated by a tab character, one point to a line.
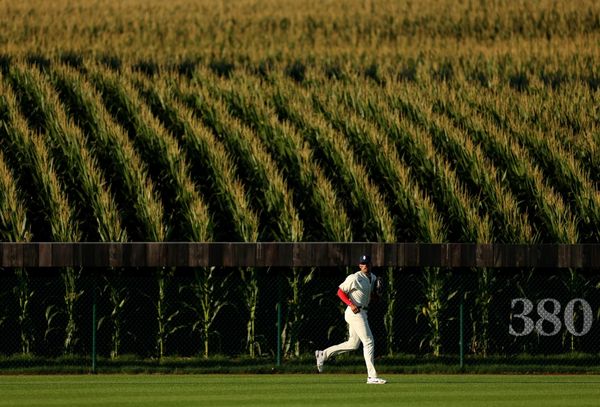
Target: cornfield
248	120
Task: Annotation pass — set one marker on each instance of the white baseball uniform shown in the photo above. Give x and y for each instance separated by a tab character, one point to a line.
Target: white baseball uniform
358	287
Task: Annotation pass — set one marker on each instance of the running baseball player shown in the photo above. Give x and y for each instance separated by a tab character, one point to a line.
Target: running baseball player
356	292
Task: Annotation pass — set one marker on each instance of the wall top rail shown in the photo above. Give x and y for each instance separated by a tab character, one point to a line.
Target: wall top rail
300	254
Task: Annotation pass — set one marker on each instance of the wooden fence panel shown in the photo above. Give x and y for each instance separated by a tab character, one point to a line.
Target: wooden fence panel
297	254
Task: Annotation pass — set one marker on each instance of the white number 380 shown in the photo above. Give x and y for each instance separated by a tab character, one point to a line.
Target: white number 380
550	319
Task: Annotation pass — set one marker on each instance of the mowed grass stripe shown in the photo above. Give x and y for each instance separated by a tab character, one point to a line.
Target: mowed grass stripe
297	390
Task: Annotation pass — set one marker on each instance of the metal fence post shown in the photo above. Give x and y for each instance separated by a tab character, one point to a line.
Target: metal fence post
461	323
94	323
279	318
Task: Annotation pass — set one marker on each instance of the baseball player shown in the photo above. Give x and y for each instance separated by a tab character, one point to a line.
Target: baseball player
356	292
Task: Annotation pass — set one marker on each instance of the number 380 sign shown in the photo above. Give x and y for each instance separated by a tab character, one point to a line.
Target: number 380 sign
550	318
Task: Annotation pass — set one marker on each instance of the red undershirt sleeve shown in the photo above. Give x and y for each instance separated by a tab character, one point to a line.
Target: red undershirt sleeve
344	297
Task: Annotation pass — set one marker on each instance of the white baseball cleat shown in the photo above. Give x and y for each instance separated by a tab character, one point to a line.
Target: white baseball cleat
320	356
376	380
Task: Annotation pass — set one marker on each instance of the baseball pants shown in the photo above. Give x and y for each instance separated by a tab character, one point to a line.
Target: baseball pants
359	330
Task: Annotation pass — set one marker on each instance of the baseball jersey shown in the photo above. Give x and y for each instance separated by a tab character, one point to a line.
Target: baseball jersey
358	287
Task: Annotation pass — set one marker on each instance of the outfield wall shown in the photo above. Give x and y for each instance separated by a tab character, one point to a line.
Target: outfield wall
536	302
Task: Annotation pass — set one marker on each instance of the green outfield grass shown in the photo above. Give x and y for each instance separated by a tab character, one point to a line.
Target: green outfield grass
300	390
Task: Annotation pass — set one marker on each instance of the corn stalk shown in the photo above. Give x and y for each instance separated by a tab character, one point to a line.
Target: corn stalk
480	311
71	279
390	298
296	310
211	295
24	297
436	295
165	318
250	289
117	296
577	286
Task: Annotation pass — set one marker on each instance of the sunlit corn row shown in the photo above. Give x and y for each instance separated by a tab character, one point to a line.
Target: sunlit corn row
212	167
324	214
136	194
559	164
461	209
461	218
570	118
475	170
415	217
285	222
78	170
191	219
364	202
13	218
55	218
553	205
267	189
552	219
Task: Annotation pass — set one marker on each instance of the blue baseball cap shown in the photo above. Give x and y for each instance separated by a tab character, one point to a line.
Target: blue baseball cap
365	259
